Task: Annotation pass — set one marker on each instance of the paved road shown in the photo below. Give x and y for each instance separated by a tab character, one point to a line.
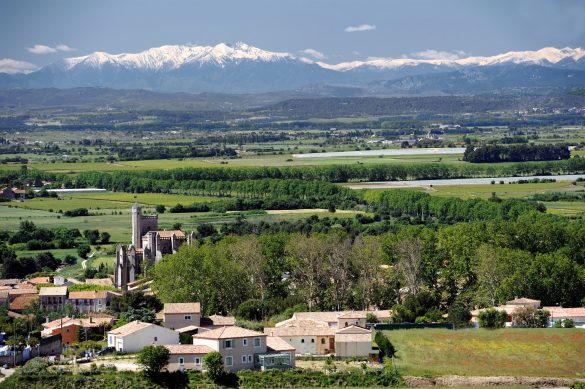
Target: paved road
6	372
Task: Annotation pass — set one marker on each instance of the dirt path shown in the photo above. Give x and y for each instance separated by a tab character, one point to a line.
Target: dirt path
462	381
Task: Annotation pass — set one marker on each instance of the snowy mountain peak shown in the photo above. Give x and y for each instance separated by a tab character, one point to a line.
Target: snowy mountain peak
174	56
544	56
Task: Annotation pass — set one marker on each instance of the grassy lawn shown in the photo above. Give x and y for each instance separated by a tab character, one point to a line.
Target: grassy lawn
507	352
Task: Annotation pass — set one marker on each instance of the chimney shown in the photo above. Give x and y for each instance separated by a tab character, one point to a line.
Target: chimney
47	319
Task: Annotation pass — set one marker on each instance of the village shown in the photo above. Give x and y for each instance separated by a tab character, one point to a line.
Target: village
189	335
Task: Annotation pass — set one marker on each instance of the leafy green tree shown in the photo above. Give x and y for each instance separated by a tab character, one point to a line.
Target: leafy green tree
492	318
83	250
459	315
213	365
160	208
105	237
384	344
92	236
153	358
530	317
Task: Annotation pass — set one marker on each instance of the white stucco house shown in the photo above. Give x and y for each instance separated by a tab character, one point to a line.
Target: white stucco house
134	336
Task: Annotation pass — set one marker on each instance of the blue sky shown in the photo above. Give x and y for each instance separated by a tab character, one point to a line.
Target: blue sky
41	31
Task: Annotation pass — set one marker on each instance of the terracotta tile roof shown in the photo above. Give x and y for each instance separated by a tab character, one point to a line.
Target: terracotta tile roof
318	316
21	302
353	330
9	281
92	322
53	291
188	349
299	331
523	300
303	323
276	343
100	281
168	234
88	294
5	287
57	322
228	333
560	312
352	315
182	308
21	291
331	317
218	320
39	280
187	329
130	328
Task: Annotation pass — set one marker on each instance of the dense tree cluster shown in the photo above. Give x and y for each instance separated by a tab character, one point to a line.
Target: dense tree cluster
137	152
516	153
420	272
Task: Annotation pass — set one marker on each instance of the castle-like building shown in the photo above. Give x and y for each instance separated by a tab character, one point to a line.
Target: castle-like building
148	244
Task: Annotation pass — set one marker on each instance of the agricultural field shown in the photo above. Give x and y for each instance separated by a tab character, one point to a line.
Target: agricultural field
505	352
503	190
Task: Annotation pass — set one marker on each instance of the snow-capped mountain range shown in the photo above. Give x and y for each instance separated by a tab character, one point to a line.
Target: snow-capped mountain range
174	56
242	68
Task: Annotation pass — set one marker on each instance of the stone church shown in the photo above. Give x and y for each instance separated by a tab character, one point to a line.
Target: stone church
148	244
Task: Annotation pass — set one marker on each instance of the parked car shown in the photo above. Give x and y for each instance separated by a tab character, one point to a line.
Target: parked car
105	350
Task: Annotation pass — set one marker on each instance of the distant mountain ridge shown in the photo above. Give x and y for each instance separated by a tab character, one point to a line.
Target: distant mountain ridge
242	68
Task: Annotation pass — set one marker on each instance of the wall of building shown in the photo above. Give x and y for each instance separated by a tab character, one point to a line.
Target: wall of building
189	362
238	350
177	320
304	344
353	349
325	344
138	340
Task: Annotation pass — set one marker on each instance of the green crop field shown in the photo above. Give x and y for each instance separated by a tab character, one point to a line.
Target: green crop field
503	191
506	352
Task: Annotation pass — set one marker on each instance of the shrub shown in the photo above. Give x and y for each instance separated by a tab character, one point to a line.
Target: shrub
459	315
384	344
153	358
213	364
492	318
530	317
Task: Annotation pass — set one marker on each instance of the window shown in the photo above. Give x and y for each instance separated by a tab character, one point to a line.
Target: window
346	324
256	342
302	340
249	359
322	340
187	317
99	302
312	340
357	323
245	342
197	361
229	361
227	343
243	359
156	338
182	361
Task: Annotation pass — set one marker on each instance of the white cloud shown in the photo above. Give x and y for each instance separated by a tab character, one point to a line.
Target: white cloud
306	60
64	48
314	53
42	49
437	55
13	66
360	28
